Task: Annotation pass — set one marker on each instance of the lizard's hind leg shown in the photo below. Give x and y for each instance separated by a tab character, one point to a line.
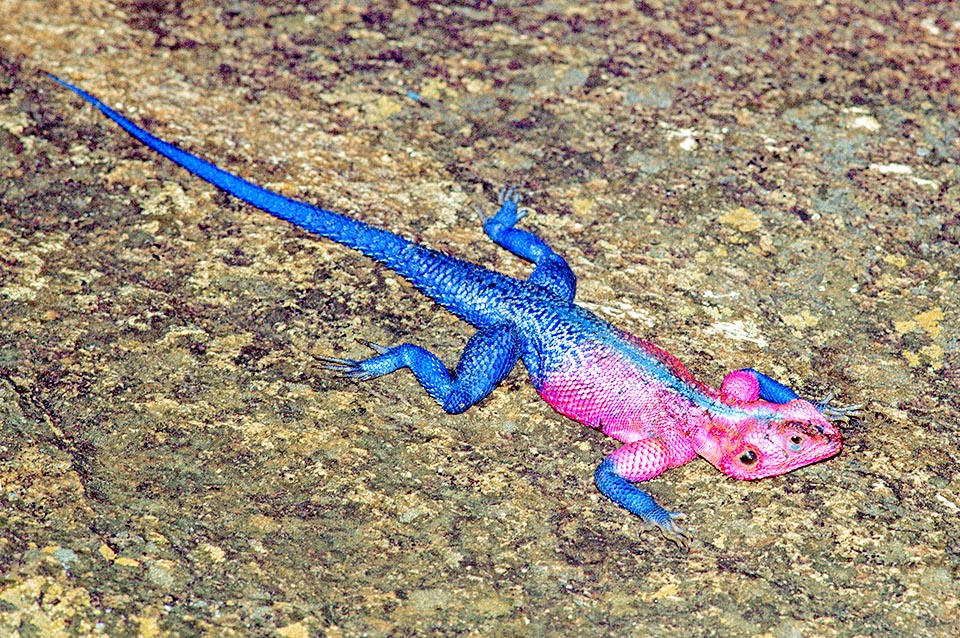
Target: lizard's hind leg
486	360
552	271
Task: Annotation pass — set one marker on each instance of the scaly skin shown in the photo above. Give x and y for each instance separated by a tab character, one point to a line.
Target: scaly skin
585	368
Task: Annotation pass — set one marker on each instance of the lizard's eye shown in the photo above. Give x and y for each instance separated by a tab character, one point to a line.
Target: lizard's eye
796	443
748	458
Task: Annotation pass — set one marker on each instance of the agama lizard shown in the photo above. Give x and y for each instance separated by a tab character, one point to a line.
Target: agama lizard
585	368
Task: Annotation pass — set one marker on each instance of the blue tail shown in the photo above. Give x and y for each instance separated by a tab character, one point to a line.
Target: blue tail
446	280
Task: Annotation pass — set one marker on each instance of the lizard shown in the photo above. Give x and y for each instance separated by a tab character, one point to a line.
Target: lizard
584	367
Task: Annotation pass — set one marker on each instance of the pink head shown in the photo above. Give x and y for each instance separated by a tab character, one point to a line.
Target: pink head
795	435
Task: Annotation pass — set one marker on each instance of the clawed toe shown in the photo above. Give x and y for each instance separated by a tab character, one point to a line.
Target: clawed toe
333	363
837	412
376	347
351	368
508	194
508	214
346	367
671	531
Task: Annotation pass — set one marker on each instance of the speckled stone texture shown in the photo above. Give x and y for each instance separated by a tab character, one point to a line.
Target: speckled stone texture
774	187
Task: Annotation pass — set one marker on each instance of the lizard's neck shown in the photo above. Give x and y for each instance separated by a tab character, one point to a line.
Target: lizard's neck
716	427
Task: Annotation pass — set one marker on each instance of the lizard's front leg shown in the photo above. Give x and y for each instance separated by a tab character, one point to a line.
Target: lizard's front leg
749	385
486	360
640	461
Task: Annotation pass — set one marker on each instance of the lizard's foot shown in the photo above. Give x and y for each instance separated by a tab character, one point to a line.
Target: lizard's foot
667	524
837	412
508	194
362	370
508	215
624	493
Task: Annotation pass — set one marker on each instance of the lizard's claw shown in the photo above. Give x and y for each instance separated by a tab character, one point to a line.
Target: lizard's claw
508	194
508	214
837	412
376	347
347	367
673	532
352	368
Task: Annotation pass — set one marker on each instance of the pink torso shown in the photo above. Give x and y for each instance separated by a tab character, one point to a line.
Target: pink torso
630	391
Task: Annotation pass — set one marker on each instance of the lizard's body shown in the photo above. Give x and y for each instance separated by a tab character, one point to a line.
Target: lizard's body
581	365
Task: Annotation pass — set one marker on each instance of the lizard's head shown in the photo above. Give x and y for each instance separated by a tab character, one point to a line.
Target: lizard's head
779	439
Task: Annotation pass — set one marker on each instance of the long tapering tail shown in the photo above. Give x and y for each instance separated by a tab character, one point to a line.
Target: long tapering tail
443	278
376	243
